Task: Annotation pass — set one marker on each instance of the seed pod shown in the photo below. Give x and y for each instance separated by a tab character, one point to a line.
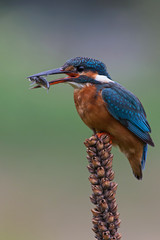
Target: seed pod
112	238
103	204
102	226
109	148
97	190
99	198
94	229
110	174
95	221
106	145
114	186
93	149
104	154
98	235
93	180
89	158
93	199
113	207
108	164
100	172
117	216
91	153
90	169
110	218
91	141
117	223
118	236
111	196
105	138
95	161
111	226
105	183
106	235
95	212
108	193
99	145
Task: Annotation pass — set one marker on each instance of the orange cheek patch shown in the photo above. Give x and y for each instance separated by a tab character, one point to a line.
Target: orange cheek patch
90	74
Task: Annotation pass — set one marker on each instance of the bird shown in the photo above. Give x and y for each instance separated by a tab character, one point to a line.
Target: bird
105	106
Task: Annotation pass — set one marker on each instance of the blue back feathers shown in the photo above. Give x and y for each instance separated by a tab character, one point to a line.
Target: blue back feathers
128	110
90	64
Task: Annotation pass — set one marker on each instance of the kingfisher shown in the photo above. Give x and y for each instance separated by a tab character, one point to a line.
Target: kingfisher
105	106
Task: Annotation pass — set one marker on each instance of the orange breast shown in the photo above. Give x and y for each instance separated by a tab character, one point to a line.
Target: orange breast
92	108
93	111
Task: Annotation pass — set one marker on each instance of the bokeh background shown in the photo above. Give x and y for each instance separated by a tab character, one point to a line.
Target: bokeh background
44	190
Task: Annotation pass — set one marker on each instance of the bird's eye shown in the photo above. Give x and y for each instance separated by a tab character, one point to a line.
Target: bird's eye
80	69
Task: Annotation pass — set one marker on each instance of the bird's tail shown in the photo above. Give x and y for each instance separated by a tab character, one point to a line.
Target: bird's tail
138	162
144	156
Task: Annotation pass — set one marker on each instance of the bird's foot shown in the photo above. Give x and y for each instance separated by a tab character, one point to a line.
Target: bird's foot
100	134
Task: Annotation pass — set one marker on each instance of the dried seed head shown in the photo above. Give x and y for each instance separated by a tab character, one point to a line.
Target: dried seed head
105	217
109	148
110	218
117	216
103	204
113	207
93	180
108	164
105	138
93	199
111	226
97	190
106	235
91	153
110	174
95	161
94	229
91	141
95	212
105	183
117	223
90	169
108	193
114	186
102	226
112	196
118	236
112	238
95	221
104	154
99	198
100	172
93	149
99	145
106	145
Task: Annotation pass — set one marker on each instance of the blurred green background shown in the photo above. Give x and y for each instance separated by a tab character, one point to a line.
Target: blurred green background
44	190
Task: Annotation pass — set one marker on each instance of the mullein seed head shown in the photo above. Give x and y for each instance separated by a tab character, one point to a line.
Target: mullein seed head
105	217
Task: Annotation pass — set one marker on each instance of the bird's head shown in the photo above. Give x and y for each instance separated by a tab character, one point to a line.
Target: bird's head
80	71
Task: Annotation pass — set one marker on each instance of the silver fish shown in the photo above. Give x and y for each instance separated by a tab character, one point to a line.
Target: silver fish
40	81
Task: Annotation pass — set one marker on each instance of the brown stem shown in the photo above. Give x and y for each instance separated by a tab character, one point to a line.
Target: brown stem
105	216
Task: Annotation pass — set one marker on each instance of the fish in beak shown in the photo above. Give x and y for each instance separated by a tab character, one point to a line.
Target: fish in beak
42	82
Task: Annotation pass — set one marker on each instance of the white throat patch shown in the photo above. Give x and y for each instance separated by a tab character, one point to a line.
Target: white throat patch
103	79
76	85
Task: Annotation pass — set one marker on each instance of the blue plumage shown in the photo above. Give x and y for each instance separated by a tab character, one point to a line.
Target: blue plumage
89	64
128	110
144	156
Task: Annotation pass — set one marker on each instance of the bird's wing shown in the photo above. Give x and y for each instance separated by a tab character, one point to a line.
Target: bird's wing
128	110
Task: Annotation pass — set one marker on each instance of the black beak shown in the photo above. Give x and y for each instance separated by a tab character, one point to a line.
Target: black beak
50	72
